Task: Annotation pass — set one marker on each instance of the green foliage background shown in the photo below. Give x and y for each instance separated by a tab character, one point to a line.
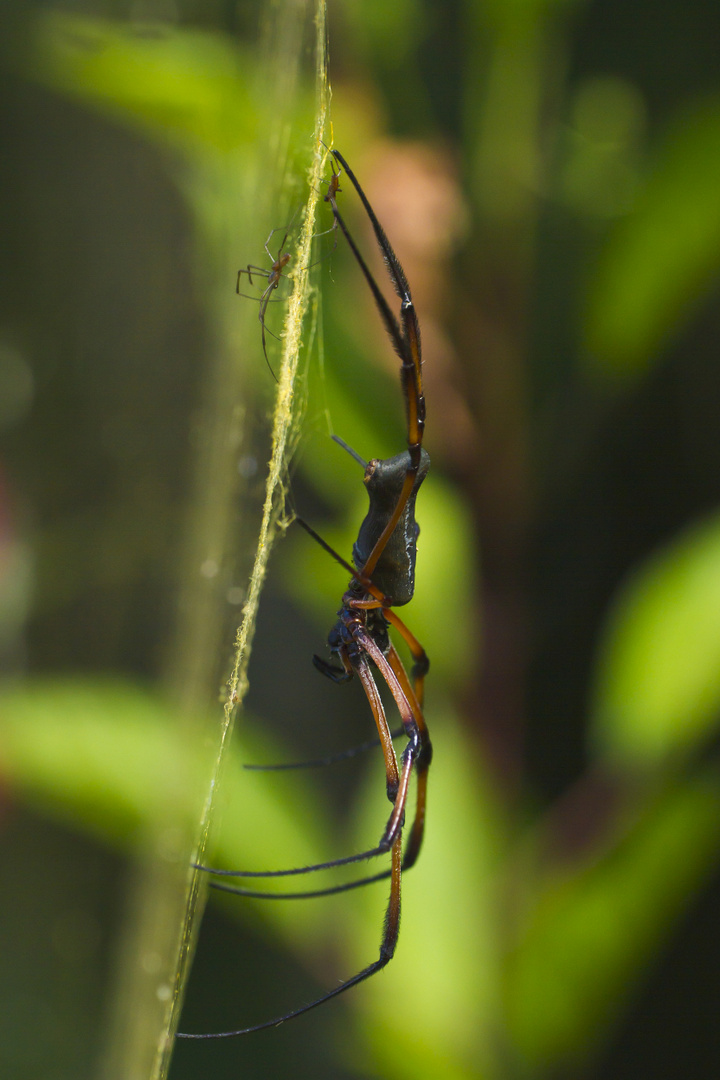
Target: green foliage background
569	574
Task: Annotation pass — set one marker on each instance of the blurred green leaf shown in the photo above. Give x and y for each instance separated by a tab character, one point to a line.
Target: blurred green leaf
664	257
94	752
585	941
602	145
388	31
102	754
657	689
182	84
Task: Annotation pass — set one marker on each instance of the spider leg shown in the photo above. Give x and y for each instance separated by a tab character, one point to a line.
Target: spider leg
369	685
331	759
250	270
408	315
332	671
421	762
397	786
273	275
257	299
309	895
381	849
332	190
412	694
264	301
391	324
418	753
406	343
421	663
391	929
267	249
358	575
397	781
406	694
397	274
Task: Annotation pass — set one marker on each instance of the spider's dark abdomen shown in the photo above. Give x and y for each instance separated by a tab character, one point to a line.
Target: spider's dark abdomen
394	573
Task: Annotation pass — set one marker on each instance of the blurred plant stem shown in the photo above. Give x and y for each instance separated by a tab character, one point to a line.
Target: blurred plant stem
507	83
153	953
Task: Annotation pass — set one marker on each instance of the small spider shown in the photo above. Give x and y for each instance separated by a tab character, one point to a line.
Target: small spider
273	276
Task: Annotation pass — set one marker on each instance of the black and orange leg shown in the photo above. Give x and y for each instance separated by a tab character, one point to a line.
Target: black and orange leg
421	762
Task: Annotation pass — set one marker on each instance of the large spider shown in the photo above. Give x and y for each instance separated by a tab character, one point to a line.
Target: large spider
382	579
